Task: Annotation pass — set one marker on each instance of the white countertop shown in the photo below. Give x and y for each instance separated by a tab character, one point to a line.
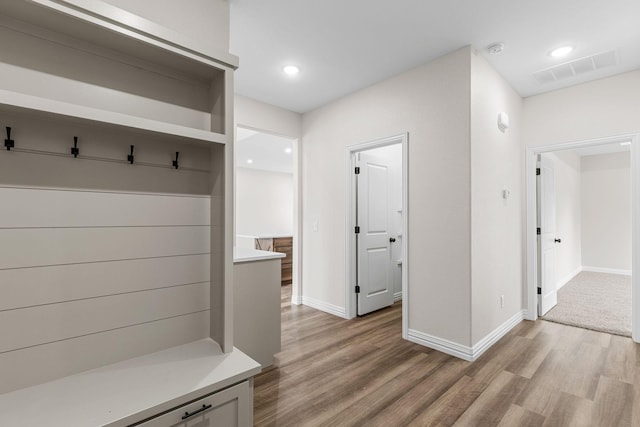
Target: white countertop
246	255
119	394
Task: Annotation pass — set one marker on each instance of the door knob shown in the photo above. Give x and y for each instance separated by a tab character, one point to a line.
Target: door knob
557	240
392	239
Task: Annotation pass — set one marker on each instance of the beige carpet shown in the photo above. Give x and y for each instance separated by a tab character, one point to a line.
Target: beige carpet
598	301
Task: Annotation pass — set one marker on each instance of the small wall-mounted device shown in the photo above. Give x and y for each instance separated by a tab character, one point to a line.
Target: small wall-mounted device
506	193
503	121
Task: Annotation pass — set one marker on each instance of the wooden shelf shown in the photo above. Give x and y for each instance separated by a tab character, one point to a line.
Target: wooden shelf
18	102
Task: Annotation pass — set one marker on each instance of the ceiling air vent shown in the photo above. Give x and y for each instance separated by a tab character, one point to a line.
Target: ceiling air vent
576	67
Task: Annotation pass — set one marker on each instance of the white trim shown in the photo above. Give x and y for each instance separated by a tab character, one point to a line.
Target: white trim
324	306
296	299
568	278
464	352
445	346
635	237
607	270
483	345
350	296
397	296
530	232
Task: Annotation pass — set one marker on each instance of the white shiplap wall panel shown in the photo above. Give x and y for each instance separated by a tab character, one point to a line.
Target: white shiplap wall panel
54	322
91	277
31	207
30	247
24	287
39	364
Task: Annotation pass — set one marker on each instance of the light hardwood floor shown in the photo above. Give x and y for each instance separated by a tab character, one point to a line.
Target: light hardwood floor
336	372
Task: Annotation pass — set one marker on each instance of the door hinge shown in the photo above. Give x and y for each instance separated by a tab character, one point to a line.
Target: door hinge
538	231
539	291
357	289
357	229
357	170
537	171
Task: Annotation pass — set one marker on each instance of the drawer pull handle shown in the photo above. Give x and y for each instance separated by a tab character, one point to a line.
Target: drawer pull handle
197	411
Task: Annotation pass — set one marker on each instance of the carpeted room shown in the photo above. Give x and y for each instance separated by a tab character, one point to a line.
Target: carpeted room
593	238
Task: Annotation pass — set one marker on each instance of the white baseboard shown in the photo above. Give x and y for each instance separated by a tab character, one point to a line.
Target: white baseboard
464	352
485	343
397	297
449	347
324	306
607	270
568	277
296	300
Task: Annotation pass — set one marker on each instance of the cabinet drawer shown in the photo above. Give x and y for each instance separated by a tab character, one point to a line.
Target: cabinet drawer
230	407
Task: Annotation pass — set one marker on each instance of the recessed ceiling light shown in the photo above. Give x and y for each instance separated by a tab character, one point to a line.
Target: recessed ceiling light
561	51
625	143
287	150
249	161
291	70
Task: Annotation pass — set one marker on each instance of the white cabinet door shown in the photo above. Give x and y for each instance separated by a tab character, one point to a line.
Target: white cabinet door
232	407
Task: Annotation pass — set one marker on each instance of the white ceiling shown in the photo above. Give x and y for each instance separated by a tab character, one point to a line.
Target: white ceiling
267	152
345	45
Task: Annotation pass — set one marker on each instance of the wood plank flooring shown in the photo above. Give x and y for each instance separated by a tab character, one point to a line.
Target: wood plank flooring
336	372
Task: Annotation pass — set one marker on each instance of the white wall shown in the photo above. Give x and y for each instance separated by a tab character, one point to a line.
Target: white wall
496	223
606	207
596	109
266	118
204	21
431	103
118	246
568	256
264	203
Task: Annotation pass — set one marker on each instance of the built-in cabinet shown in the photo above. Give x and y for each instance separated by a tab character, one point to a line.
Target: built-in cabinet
229	407
121	86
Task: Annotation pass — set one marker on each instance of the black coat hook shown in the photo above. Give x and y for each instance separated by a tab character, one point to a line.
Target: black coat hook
9	143
130	156
175	162
75	150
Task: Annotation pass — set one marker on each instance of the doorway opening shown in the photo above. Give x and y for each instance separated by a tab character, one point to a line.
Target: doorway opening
266	199
377	223
581	234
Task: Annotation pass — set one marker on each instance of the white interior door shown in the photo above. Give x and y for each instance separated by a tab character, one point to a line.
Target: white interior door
374	247
546	195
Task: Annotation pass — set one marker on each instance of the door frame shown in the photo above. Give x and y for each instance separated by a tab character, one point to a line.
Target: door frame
530	231
350	272
296	255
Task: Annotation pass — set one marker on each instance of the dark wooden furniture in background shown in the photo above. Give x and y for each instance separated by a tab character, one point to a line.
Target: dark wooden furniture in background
285	245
